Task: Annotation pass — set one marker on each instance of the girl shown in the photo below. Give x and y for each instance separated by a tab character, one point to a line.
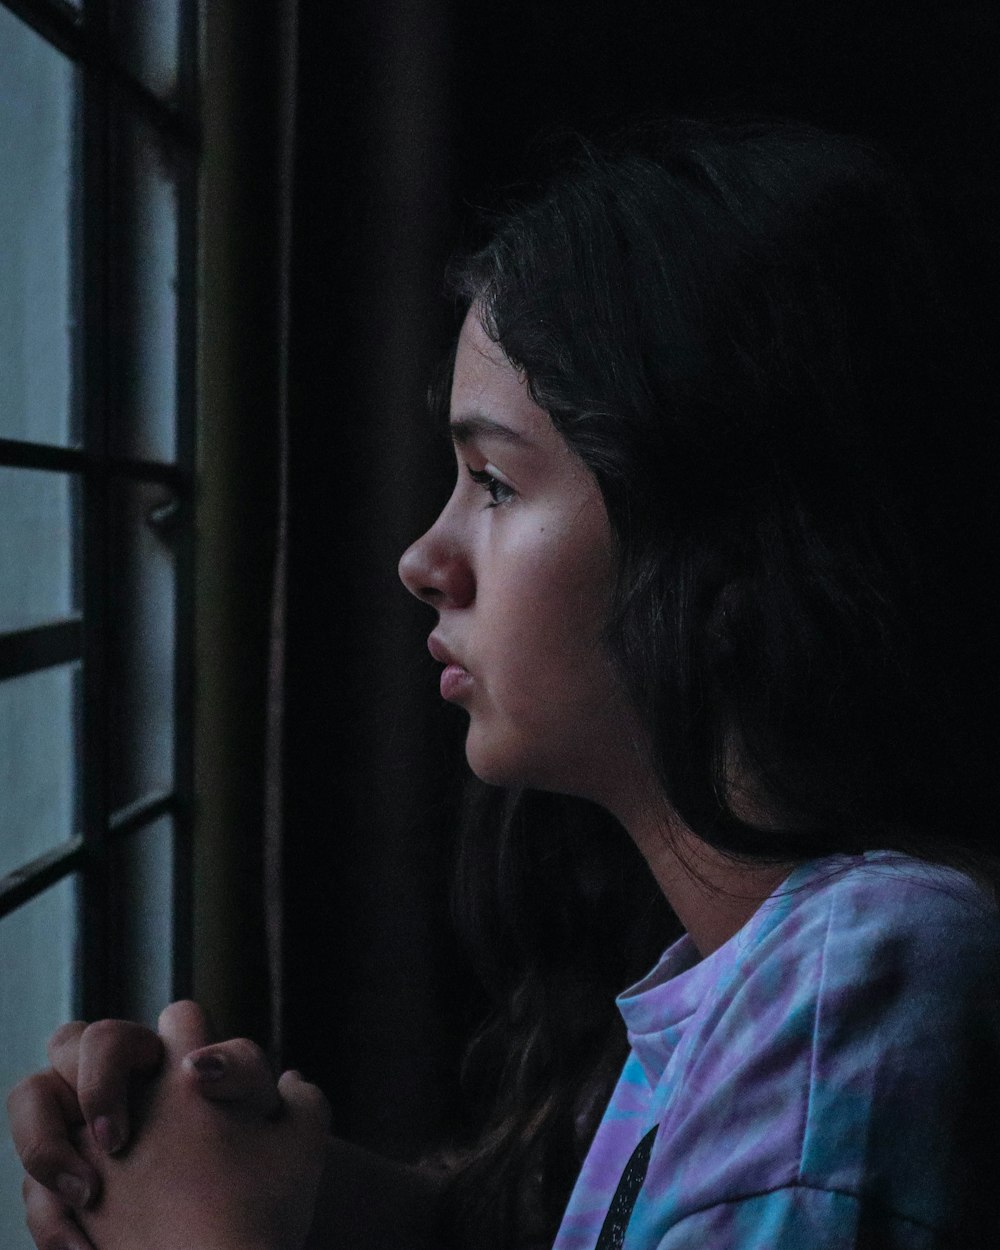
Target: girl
710	569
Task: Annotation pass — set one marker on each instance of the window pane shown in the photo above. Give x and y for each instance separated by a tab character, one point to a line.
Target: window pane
141	659
142	888
148	35
38	958
37	312
145	294
37	536
38	763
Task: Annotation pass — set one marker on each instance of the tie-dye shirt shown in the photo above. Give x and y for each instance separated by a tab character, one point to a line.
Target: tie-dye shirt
827	1079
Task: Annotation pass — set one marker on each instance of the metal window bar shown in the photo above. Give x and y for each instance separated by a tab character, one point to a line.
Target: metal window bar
28	650
86	39
20	455
21	885
25	882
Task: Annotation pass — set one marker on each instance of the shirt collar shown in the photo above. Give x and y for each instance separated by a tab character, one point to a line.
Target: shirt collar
657	1008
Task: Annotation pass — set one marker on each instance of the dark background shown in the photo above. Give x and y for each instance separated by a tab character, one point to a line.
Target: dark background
408	116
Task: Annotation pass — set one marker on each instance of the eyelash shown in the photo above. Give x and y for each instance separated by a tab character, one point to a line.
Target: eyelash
499	492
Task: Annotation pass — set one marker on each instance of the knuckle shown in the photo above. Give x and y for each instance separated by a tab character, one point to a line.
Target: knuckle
93	1092
36	1158
14	1096
68	1032
182	1008
27	1087
40	1233
104	1033
45	1229
183	1014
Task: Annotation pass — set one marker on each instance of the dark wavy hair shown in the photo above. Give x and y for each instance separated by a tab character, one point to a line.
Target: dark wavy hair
738	327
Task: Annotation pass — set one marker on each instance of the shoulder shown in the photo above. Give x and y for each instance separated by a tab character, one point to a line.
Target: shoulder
883	925
850	1042
862	957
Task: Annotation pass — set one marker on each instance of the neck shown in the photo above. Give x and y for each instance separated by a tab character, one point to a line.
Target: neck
712	897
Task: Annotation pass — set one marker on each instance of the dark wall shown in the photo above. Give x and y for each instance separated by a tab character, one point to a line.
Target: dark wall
409	112
366	818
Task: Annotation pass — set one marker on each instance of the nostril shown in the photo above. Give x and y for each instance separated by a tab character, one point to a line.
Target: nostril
437	571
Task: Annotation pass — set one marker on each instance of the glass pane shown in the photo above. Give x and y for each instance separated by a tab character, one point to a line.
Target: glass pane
38	960
148	35
38	763
145	295
141	636
37	312
38	511
143	893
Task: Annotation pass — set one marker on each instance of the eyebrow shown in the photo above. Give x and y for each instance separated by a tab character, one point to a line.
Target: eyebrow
475	425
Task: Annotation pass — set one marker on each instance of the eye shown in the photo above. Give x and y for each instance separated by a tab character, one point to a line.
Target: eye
499	492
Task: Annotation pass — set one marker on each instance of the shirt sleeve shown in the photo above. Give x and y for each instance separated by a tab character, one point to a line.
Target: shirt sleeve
799	1217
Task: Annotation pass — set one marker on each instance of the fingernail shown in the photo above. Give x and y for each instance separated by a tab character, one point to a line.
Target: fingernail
73	1189
107	1135
209	1067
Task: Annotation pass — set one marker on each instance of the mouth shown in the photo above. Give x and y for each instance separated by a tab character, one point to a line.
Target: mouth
439	651
456	681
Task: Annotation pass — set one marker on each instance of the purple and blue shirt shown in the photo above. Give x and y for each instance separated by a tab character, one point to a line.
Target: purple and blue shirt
828	1079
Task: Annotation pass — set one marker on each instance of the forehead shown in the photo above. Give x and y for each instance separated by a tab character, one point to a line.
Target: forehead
486	384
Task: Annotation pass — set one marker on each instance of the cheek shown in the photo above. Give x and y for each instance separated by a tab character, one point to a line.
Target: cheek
550	627
550	712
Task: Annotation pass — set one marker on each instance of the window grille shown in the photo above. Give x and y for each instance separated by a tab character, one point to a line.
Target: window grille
99	143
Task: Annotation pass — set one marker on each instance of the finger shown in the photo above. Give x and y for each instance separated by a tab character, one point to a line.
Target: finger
236	1072
183	1027
42	1111
50	1221
306	1102
63	1049
108	1054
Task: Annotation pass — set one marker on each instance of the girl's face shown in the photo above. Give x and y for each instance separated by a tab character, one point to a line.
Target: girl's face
518	566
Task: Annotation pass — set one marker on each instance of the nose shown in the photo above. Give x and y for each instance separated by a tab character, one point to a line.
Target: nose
437	571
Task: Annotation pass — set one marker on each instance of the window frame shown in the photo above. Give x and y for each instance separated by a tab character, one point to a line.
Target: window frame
84	37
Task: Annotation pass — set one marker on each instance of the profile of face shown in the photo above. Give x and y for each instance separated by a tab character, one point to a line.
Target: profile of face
518	566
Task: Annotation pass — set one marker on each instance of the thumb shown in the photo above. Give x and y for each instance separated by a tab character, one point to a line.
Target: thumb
236	1072
184	1027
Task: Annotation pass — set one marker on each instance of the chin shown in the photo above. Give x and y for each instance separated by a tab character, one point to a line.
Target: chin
495	771
512	762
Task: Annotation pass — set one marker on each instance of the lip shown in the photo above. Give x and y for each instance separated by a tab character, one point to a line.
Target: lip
456	680
455	683
440	652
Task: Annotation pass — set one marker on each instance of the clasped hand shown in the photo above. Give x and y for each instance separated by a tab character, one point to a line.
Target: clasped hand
225	1159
